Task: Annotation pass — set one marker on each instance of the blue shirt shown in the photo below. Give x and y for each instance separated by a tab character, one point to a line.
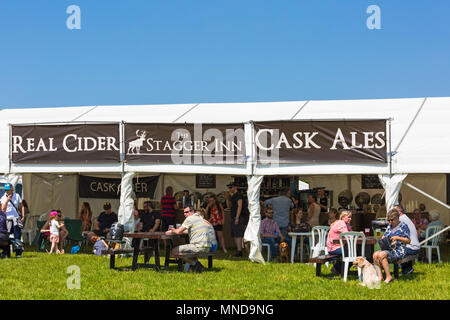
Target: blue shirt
281	206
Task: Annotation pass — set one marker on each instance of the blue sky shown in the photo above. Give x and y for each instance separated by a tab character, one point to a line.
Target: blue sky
151	51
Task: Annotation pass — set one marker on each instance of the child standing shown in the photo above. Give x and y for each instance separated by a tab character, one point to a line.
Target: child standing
54	231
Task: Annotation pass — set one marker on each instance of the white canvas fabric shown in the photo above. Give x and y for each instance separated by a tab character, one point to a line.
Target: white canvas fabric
392	186
252	231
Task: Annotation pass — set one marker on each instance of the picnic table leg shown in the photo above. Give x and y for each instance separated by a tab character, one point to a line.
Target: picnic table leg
168	250
294	241
148	253
112	261
137	244
301	248
210	262
157	261
318	269
396	270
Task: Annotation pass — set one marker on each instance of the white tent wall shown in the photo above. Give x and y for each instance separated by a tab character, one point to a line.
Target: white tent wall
434	185
44	192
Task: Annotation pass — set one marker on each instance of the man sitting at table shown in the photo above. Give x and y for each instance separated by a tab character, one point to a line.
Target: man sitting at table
150	220
105	221
199	241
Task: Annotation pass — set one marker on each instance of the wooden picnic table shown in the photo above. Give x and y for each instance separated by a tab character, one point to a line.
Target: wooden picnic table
156	237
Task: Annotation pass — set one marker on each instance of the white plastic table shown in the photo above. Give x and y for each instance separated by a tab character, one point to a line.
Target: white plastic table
294	236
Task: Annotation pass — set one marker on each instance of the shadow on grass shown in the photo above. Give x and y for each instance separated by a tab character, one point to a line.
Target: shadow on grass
170	269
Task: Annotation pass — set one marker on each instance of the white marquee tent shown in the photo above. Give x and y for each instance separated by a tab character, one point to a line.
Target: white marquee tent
419	135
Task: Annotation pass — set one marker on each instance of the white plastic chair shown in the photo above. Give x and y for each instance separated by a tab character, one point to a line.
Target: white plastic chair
352	239
268	250
434	242
321	245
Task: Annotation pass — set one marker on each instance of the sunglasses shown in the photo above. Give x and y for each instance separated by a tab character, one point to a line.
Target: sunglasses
187	211
269	212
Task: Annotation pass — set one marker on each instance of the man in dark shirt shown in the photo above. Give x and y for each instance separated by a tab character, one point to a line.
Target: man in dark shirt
235	203
150	220
105	221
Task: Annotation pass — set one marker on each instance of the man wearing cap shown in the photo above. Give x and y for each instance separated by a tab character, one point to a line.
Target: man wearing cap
11	204
105	221
235	201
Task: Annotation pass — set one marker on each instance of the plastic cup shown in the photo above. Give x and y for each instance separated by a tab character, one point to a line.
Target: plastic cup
178	225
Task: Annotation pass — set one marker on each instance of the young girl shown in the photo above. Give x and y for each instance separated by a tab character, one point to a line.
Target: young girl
54	231
99	245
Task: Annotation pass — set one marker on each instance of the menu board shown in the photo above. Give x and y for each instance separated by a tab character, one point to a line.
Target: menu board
205	181
370	181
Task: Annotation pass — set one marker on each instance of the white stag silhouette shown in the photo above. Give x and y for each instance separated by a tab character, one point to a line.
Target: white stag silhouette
135	145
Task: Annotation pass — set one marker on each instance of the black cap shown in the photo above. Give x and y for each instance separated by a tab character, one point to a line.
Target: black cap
106	206
231	184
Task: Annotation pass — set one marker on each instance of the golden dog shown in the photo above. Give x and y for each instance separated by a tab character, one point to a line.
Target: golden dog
284	252
371	274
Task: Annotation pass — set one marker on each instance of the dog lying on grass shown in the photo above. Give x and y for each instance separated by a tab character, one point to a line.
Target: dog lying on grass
371	274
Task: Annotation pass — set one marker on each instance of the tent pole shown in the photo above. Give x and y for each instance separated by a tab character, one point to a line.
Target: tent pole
390	146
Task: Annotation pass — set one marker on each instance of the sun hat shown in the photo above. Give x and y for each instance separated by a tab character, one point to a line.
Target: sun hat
53	213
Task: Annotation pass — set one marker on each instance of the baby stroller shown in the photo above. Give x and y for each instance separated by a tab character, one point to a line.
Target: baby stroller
7	240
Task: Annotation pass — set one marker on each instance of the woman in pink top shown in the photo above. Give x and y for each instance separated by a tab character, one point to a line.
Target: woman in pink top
336	228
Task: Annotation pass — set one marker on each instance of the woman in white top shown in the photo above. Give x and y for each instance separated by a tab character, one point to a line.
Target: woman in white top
313	211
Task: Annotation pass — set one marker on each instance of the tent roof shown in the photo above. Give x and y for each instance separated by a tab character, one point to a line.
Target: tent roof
419	126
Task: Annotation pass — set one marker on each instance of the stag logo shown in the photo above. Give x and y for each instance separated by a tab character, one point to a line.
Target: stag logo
134	147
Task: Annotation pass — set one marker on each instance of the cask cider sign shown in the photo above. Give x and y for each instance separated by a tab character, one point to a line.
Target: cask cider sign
321	141
80	143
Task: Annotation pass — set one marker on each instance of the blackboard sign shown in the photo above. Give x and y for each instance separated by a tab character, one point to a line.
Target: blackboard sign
370	181
205	181
109	188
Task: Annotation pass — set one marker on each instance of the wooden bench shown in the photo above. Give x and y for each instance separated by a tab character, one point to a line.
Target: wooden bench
319	260
408	258
112	254
180	257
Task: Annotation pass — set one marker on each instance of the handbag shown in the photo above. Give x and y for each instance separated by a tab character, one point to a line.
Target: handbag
385	244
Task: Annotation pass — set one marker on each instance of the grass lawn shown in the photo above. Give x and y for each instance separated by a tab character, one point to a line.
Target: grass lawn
41	276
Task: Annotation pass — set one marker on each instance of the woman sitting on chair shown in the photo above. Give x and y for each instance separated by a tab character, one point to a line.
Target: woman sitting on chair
336	228
398	234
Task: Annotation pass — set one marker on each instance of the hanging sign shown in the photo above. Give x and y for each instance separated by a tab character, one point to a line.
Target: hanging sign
321	141
80	143
109	188
185	143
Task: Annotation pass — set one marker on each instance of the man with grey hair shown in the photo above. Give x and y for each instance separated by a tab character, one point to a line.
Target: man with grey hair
413	247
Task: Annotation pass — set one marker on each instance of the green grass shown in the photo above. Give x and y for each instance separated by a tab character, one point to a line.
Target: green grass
41	276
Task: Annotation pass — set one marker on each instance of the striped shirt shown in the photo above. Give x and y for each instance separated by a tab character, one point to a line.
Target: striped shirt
269	226
198	230
168	206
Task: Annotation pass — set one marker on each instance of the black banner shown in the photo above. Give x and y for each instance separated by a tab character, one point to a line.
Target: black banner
321	141
109	188
80	143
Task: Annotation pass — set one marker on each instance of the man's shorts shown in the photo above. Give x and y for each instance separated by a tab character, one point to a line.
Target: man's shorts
237	230
191	248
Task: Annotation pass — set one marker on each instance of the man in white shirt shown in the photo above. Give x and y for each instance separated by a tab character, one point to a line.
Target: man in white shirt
11	204
414	246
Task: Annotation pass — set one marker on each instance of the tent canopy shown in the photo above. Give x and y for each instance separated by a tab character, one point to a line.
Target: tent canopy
419	131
